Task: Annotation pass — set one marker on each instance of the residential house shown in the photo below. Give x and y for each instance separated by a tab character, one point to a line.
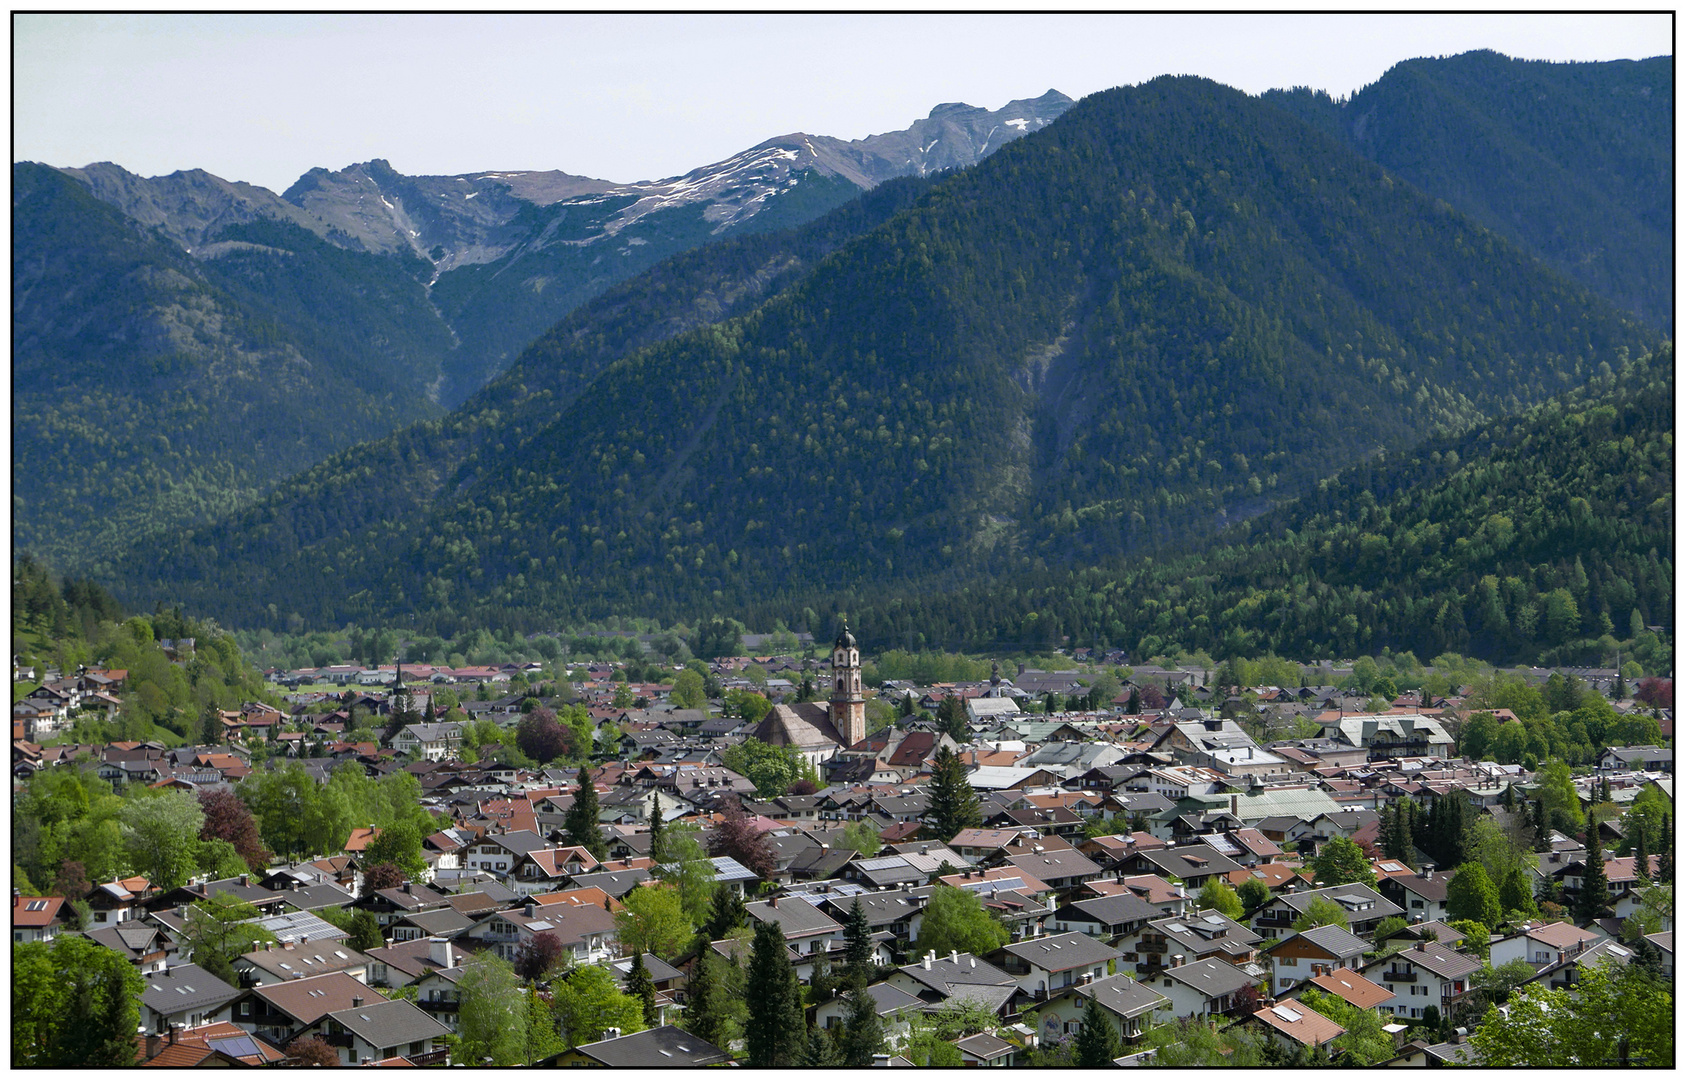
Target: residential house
1365	908
807	929
271	964
143	944
1206	988
664	1047
1128	1003
587	932
184	996
1045	965
378	1031
895	1008
958	976
1542	945
1105	918
1426	974
1295	1027
1203	935
37	918
1314	952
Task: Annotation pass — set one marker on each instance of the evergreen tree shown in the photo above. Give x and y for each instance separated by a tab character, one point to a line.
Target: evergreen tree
1097	1040
1665	861
580	826
727	913
774	1033
954	802
656	828
1135	705
951	719
641	986
820	1051
705	1007
857	945
1641	858
863	1032
1589	901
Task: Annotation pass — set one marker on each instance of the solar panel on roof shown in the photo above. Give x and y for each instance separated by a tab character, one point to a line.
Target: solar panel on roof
236	1046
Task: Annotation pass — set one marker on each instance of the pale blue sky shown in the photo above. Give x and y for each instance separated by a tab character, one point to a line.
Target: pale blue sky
630	97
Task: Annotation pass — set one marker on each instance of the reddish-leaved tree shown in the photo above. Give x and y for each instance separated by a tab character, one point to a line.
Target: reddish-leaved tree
71	882
227	817
1655	692
313	1051
383	875
537	956
736	836
542	737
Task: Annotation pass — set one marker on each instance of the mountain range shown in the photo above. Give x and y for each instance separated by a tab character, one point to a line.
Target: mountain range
1171	309
184	342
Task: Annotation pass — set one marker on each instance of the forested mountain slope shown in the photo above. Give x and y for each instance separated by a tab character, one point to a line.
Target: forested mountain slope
1573	162
1168	307
151	389
392	481
1542	538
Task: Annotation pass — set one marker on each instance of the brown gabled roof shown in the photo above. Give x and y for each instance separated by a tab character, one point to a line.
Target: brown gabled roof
309	1000
36	910
1303	1024
1352	988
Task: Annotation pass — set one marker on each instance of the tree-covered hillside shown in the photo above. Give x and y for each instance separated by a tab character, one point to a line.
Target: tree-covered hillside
1543	538
152	390
1573	162
1165	310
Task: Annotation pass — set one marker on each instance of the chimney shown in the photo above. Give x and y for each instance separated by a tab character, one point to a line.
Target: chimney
151	1045
1422	946
1235	805
439	951
173	1029
1177	960
929	956
17	897
357	1001
611	1033
954	957
774	901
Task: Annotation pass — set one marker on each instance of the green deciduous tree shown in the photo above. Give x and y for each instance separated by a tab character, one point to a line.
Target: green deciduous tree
1321	911
1217	896
75	1005
652	919
1342	862
491	1014
956	920
161	833
589	1002
1613	1017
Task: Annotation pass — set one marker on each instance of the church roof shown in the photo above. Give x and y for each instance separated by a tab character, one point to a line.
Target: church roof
804	725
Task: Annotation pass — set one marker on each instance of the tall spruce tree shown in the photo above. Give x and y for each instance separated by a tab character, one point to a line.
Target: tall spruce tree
705	1007
775	1034
1589	900
656	828
1665	861
1641	858
580	825
640	985
857	946
954	802
820	1051
1097	1040
863	1032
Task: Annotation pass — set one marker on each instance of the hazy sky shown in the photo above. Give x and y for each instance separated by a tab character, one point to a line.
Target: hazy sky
263	98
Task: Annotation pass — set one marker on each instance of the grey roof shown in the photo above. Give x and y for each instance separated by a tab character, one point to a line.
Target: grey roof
1066	862
662	1047
439	922
390	1024
946	974
1062	952
185	988
1123	995
882	908
1214	977
890	1000
797	919
301	925
616	883
316	897
1113	910
1205	930
985	1045
1339	943
660	970
130	935
310	959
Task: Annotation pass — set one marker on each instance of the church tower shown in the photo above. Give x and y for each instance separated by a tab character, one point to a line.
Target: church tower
848	700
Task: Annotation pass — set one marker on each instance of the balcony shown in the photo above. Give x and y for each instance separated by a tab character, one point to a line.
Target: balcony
1399	976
